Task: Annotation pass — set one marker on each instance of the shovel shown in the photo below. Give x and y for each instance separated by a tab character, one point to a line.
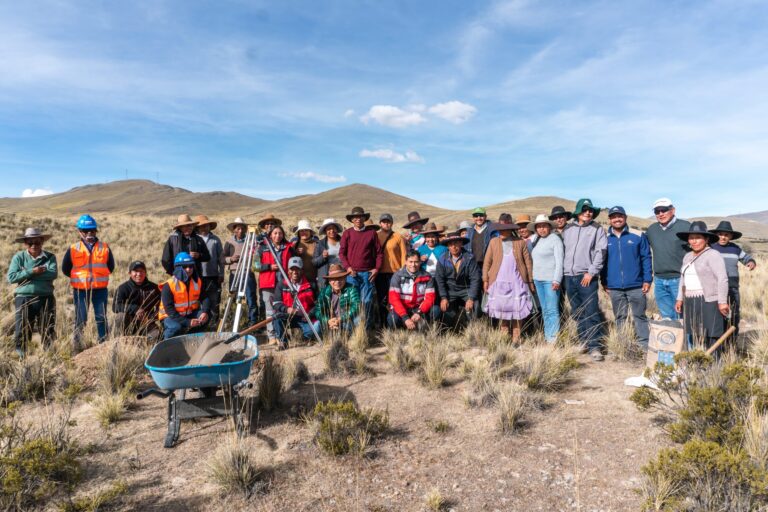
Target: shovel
207	345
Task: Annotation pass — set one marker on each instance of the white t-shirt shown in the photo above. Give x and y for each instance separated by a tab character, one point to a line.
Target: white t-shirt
693	286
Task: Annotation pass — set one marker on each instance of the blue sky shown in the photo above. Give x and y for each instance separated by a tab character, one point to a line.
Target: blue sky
454	103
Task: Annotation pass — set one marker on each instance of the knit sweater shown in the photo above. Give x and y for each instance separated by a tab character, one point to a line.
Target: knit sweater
710	268
732	254
547	256
360	250
30	284
667	249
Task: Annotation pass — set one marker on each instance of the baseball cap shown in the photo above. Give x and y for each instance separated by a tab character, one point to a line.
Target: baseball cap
137	265
386	216
479	211
295	262
617	209
662	202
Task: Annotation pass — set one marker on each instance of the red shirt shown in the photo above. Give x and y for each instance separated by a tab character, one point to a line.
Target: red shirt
360	250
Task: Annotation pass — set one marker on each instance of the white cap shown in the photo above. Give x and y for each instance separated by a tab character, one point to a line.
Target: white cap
295	262
663	202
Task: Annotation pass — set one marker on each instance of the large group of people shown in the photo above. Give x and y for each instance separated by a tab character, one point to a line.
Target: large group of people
517	271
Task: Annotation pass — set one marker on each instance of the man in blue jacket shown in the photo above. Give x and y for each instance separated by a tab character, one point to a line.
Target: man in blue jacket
627	274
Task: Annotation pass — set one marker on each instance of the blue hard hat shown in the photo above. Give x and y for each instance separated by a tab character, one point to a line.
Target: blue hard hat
86	222
183	259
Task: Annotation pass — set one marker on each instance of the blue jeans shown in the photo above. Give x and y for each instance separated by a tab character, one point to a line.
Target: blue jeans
666	295
634	300
282	324
585	310
367	291
97	297
175	328
550	300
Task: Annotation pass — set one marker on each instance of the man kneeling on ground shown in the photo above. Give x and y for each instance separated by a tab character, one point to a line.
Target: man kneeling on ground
181	309
338	306
286	316
459	282
136	304
411	295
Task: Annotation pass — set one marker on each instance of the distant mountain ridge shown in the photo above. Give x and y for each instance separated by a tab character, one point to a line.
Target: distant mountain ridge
143	197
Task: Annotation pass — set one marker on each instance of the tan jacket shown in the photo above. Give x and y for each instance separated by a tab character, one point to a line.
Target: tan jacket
494	255
394	251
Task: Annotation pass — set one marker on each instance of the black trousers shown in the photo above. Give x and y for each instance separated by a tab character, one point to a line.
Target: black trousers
34	311
382	292
212	290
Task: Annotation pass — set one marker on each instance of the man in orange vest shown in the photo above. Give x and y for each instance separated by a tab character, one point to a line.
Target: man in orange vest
183	307
88	264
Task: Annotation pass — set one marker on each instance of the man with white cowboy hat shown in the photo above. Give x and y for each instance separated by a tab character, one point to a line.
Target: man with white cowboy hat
184	239
327	249
414	226
361	255
547	255
393	248
304	245
33	270
88	263
232	254
213	269
627	274
285	312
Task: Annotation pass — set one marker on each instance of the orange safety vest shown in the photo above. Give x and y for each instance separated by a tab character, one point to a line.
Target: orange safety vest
89	268
183	302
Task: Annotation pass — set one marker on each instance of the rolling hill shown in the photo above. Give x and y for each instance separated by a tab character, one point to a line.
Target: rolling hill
754	216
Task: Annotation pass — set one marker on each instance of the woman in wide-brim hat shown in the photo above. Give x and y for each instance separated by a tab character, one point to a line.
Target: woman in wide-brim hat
508	279
305	245
703	293
725	227
269	219
547	256
431	250
327	249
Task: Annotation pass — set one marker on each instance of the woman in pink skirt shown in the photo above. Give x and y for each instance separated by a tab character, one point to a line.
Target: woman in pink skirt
508	279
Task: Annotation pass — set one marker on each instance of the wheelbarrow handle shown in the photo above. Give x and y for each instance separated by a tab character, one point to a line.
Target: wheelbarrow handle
249	330
153	391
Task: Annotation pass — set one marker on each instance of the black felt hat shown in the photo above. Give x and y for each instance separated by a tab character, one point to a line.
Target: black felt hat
726	226
698	227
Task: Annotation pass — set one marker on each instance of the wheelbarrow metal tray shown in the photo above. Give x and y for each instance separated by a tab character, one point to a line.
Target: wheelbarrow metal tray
167	363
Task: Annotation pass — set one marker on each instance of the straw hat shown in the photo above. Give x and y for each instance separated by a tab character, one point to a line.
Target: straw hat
330	222
32	233
541	218
523	219
270	218
237	222
304	225
184	220
203	219
336	271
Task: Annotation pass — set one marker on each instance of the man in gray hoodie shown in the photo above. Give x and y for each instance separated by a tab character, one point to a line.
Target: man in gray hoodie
585	246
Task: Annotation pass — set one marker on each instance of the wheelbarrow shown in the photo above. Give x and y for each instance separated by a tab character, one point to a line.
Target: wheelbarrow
168	365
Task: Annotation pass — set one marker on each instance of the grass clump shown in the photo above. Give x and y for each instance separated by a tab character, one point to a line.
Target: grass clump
434	501
102	500
233	469
434	364
295	373
341	428
400	353
121	366
336	356
111	407
270	384
439	426
546	367
27	379
621	342
515	403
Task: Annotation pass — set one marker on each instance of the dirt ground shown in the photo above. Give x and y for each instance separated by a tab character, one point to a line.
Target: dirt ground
580	456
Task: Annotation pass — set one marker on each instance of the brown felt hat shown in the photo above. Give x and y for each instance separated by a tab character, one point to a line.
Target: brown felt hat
413	219
454	237
270	218
336	271
358	211
432	229
370	225
32	233
503	226
184	220
203	219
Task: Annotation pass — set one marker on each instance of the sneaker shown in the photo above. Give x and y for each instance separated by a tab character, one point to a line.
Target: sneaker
596	355
20	352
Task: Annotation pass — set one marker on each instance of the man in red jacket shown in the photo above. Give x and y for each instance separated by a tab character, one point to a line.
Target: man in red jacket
287	314
411	295
360	253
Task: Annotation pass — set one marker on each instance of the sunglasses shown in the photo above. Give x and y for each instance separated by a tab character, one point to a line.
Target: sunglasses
476	215
661	209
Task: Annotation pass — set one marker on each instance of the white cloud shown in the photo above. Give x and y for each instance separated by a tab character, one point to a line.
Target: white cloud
392	116
392	156
349	112
454	111
313	176
36	192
